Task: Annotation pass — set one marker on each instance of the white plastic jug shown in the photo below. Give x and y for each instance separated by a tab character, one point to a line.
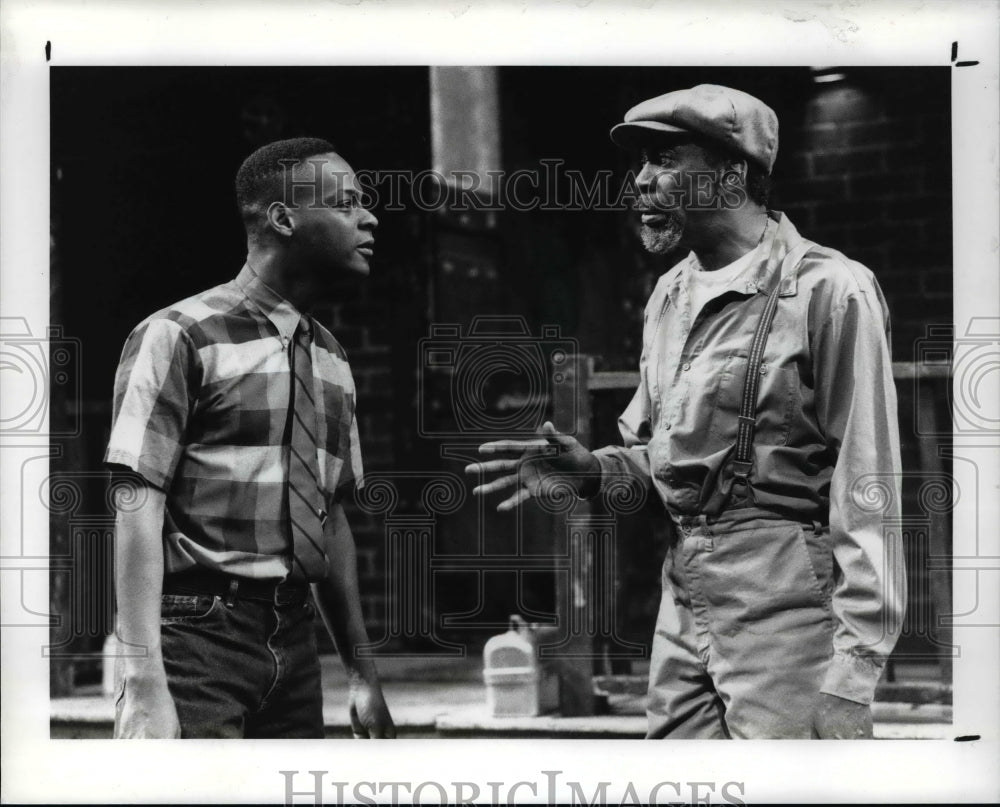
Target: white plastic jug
517	685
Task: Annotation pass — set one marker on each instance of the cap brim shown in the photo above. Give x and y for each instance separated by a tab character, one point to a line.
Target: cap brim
633	134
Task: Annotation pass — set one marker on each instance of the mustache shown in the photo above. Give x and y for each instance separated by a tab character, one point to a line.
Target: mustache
650	204
646	206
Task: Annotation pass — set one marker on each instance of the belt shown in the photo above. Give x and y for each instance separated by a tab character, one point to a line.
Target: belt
204	581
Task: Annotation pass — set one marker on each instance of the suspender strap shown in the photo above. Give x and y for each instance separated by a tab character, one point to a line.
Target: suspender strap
746	419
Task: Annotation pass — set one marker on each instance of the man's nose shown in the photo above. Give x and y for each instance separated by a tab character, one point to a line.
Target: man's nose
368	220
644	182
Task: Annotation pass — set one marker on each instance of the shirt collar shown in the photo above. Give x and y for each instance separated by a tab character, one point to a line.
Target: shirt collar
778	242
784	238
284	316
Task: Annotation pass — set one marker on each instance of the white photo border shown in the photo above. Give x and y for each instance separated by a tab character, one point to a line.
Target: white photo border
372	32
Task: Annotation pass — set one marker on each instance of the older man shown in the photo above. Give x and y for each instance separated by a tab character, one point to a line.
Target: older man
765	411
236	410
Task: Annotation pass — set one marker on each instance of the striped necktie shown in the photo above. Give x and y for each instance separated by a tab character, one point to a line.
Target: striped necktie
305	500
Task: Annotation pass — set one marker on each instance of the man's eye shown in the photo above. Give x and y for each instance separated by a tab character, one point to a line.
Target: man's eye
663	158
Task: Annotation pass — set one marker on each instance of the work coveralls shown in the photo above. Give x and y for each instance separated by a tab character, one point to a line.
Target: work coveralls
791	584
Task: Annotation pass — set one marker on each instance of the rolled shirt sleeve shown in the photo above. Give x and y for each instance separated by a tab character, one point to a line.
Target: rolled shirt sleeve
353	473
153	388
630	462
856	407
635	424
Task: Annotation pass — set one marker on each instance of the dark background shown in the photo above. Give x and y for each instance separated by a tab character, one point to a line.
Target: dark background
143	214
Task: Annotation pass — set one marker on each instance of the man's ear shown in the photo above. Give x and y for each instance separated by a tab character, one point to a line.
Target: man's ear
737	169
278	219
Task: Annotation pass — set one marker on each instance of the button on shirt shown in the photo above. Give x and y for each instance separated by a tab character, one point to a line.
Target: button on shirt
702	286
826	447
695	288
201	408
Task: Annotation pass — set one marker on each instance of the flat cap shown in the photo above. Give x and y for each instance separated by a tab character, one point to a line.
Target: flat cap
730	117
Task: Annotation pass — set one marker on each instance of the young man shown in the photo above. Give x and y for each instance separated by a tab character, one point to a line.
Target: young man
765	418
236	411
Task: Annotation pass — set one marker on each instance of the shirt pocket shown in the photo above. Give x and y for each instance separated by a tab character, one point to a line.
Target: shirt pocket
776	395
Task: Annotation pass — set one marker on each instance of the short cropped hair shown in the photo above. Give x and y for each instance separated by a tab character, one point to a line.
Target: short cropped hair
758	181
260	179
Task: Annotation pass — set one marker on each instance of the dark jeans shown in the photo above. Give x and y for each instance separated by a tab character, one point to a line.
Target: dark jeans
249	669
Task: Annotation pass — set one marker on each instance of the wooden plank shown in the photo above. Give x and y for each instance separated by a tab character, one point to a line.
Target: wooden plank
627	379
940	524
572	412
916	692
901	371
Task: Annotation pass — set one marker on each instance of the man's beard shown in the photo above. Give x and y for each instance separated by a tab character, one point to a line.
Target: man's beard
665	237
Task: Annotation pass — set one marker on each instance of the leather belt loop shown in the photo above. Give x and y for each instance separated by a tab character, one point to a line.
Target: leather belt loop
741	470
234	586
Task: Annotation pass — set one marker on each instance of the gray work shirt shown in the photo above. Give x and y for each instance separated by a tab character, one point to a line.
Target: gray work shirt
826	447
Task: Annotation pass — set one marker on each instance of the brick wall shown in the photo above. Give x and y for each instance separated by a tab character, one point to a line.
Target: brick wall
869	174
358	323
863	167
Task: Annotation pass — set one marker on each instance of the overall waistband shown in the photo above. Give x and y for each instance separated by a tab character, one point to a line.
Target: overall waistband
205	581
744	517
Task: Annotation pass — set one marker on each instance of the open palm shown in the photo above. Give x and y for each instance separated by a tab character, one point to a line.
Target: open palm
548	468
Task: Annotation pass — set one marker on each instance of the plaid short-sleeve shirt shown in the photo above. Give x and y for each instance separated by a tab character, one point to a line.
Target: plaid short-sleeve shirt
201	408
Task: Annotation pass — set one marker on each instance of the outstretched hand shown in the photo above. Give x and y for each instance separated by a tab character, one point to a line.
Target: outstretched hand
542	468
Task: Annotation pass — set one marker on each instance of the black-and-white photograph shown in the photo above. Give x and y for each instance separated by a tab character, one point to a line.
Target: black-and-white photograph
508	399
